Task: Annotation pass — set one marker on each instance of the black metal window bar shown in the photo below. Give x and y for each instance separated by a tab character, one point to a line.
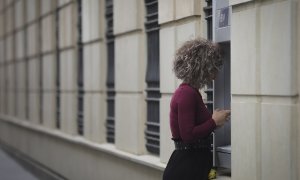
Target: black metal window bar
110	81
40	56
152	77
58	113
80	112
210	86
26	70
208	17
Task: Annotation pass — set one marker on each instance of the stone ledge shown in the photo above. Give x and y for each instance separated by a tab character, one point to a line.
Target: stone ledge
147	160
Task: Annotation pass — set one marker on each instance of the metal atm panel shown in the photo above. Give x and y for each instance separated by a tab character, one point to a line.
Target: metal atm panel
222	92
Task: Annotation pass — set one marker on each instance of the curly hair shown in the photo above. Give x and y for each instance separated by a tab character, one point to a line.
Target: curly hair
197	61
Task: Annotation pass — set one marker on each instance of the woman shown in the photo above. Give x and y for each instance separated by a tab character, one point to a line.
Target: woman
196	63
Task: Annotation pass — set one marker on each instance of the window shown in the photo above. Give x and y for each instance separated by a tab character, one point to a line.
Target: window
152	77
80	114
110	82
57	69
208	17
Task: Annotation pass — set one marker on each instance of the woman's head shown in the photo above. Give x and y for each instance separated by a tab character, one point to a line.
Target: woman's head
197	62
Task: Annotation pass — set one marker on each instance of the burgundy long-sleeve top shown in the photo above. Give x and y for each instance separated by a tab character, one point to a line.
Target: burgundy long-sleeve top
190	120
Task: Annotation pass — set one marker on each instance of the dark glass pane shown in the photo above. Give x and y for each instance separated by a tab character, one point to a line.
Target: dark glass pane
152	77
80	83
110	81
57	69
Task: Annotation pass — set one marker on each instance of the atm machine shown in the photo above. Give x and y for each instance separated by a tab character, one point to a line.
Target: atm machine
222	94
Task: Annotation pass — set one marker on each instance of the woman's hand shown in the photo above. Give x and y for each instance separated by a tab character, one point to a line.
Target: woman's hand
220	116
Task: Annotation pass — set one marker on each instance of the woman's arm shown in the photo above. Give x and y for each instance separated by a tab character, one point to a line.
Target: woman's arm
187	109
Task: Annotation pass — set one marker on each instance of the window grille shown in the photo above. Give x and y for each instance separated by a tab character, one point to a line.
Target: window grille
40	40
210	89
152	77
58	113
110	81
80	83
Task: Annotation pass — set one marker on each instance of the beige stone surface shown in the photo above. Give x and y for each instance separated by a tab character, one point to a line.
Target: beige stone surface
19	45
34	74
125	20
245	61
130	62
253	42
236	2
32	40
278	140
2	78
8	2
264	123
2	5
49	109
48	33
94	67
130	112
31	10
95	117
166	143
34	108
63	2
245	138
10	106
67	25
9	20
21	105
68	75
19	13
187	8
10	77
187	30
21	76
49	72
68	109
9	55
47	6
166	11
2	22
167	52
277	49
92	19
75	158
2	50
2	100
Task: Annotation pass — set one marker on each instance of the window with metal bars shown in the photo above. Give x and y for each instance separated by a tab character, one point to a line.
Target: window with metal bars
58	114
210	88
152	77
110	81
80	115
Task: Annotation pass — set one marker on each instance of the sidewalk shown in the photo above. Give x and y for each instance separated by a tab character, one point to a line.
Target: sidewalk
11	170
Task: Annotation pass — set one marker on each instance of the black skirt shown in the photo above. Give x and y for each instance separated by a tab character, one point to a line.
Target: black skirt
193	164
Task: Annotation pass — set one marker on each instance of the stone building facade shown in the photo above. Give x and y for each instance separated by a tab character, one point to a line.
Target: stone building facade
85	85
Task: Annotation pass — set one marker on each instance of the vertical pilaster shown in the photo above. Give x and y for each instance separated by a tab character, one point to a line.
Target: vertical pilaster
264	99
94	70
130	61
67	66
48	58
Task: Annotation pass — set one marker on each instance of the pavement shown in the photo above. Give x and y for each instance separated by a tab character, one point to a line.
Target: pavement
12	170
